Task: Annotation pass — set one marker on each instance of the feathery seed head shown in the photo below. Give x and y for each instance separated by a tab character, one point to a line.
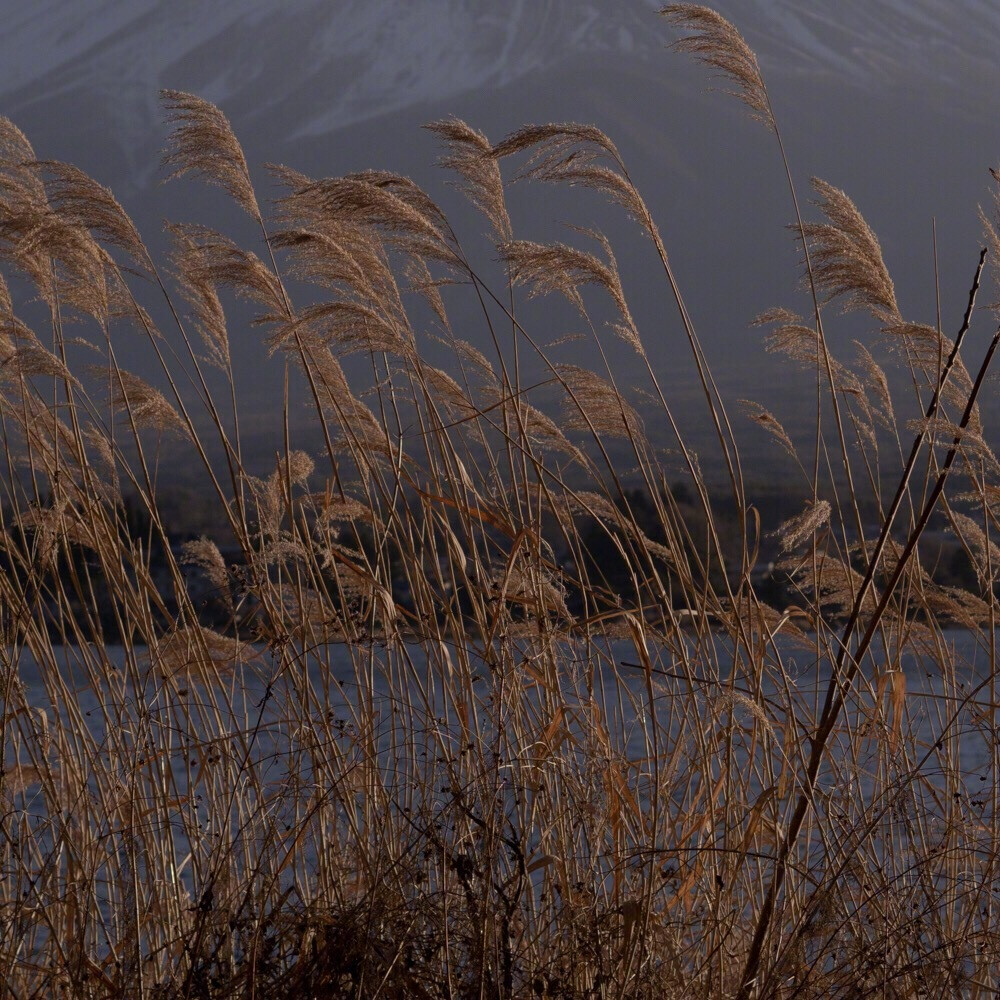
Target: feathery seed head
717	42
85	203
147	407
847	258
469	156
202	142
803	526
596	405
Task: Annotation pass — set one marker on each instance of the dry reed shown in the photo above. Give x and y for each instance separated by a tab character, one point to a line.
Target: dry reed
463	703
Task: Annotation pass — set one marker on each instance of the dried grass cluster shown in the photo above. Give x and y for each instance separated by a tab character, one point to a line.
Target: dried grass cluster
459	701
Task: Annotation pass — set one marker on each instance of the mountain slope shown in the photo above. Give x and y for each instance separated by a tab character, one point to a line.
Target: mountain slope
896	101
358	59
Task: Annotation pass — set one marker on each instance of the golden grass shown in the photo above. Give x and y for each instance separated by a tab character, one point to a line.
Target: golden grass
397	731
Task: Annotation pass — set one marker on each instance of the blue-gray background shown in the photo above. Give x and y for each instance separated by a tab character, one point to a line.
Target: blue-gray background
896	101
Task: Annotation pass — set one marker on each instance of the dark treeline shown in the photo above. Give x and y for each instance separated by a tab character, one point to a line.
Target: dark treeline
227	606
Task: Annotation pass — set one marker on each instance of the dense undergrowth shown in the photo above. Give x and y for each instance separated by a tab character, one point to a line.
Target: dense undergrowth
426	743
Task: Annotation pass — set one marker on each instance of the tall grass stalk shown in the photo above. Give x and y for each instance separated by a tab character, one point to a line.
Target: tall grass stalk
475	690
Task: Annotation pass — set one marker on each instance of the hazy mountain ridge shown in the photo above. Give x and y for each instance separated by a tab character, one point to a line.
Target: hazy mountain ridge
949	47
358	59
896	101
368	58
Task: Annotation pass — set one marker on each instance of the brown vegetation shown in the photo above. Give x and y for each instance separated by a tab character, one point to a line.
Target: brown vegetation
425	747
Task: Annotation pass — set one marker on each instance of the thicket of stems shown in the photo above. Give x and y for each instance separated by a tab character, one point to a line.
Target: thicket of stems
397	730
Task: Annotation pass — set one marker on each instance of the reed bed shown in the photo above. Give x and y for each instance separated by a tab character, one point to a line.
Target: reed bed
397	731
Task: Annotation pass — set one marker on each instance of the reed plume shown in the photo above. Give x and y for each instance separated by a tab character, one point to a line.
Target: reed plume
479	684
716	42
202	142
847	259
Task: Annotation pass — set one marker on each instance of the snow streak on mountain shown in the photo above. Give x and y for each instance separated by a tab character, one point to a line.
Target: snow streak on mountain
352	59
895	101
346	61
